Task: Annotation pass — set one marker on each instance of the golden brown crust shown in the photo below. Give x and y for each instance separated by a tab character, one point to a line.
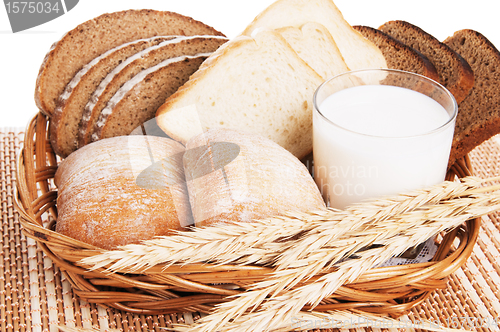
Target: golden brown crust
398	55
111	193
454	72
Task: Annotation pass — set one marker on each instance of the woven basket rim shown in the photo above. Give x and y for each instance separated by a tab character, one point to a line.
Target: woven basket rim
160	290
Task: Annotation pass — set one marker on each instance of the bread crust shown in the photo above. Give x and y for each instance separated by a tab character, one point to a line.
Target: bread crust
105	32
399	55
454	72
129	110
122	190
478	116
99	106
68	114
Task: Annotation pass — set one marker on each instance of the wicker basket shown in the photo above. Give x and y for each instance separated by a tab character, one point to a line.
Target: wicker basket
196	288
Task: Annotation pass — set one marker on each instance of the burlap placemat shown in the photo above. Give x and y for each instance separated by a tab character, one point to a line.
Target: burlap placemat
35	296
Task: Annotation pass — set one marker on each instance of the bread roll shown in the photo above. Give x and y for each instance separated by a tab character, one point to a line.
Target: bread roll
239	177
122	190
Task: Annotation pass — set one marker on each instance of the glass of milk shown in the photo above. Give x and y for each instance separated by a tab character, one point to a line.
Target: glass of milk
380	132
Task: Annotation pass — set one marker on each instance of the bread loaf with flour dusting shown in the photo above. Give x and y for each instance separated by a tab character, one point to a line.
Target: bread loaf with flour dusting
122	190
234	176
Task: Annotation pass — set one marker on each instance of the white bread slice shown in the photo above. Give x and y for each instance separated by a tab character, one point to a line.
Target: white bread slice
315	45
238	177
259	85
358	52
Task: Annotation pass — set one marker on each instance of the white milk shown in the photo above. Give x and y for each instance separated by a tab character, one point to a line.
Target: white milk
379	140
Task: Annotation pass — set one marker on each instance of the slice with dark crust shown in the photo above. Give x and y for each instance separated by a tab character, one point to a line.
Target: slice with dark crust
454	72
398	55
479	114
94	37
137	100
70	106
150	57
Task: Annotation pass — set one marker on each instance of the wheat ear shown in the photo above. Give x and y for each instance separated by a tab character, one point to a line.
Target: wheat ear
402	232
313	320
259	242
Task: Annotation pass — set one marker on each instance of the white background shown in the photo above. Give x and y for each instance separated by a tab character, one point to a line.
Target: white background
22	53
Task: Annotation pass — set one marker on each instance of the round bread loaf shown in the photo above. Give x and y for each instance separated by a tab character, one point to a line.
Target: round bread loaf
239	177
122	190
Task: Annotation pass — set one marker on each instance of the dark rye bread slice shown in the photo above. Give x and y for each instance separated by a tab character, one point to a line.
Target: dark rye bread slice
70	106
137	100
189	45
94	37
398	55
478	116
454	72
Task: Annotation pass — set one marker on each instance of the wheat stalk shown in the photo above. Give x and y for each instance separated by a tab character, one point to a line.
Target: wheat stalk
313	320
397	234
326	239
259	242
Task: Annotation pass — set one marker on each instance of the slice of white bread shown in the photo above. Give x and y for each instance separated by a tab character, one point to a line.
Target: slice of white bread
94	37
478	116
71	104
358	52
137	100
258	84
234	176
130	67
315	45
122	190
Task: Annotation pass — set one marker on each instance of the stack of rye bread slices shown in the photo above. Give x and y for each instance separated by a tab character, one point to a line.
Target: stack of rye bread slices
133	65
466	64
109	75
